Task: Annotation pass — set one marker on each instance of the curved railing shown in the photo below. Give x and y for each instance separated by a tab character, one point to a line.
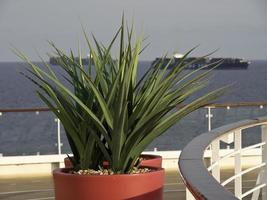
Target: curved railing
204	182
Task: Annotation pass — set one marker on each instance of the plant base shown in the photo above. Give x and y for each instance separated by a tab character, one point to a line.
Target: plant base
148	161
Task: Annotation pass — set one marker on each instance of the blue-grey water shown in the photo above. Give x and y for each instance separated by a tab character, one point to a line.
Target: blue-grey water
29	133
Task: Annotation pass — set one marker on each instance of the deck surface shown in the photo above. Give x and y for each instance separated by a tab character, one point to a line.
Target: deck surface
41	188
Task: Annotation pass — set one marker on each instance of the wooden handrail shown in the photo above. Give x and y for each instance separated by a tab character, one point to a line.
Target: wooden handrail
11	110
240	104
215	105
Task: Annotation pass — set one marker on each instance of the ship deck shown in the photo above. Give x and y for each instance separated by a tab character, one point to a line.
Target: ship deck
41	188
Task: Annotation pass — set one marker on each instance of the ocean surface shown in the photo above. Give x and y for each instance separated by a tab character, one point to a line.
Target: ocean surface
31	133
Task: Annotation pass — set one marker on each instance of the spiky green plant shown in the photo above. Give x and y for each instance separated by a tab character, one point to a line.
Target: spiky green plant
109	114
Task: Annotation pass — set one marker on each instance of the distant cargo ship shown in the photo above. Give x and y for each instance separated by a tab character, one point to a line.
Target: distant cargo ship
226	63
85	61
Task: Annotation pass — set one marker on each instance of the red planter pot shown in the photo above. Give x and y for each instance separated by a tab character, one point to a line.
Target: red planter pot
148	161
147	186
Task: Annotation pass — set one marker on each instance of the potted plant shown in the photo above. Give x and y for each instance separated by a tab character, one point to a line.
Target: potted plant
109	115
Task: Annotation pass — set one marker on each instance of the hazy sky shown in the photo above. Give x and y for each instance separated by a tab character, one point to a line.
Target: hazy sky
237	27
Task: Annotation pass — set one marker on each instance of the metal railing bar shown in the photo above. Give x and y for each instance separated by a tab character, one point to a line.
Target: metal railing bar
253	189
242	173
234	153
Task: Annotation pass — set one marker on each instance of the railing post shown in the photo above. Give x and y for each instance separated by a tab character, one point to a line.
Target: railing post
209	116
263	174
58	136
238	166
215	156
215	150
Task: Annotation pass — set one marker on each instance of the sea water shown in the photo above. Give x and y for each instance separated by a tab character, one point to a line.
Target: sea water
31	133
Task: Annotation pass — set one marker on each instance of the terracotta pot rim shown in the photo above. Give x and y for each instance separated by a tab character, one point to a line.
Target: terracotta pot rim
62	172
146	154
151	156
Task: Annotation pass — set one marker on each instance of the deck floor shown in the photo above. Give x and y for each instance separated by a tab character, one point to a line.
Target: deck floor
41	188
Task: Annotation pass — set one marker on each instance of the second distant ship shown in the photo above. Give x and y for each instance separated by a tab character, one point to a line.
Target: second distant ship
224	63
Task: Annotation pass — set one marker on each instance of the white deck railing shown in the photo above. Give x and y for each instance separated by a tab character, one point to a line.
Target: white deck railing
210	115
204	182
